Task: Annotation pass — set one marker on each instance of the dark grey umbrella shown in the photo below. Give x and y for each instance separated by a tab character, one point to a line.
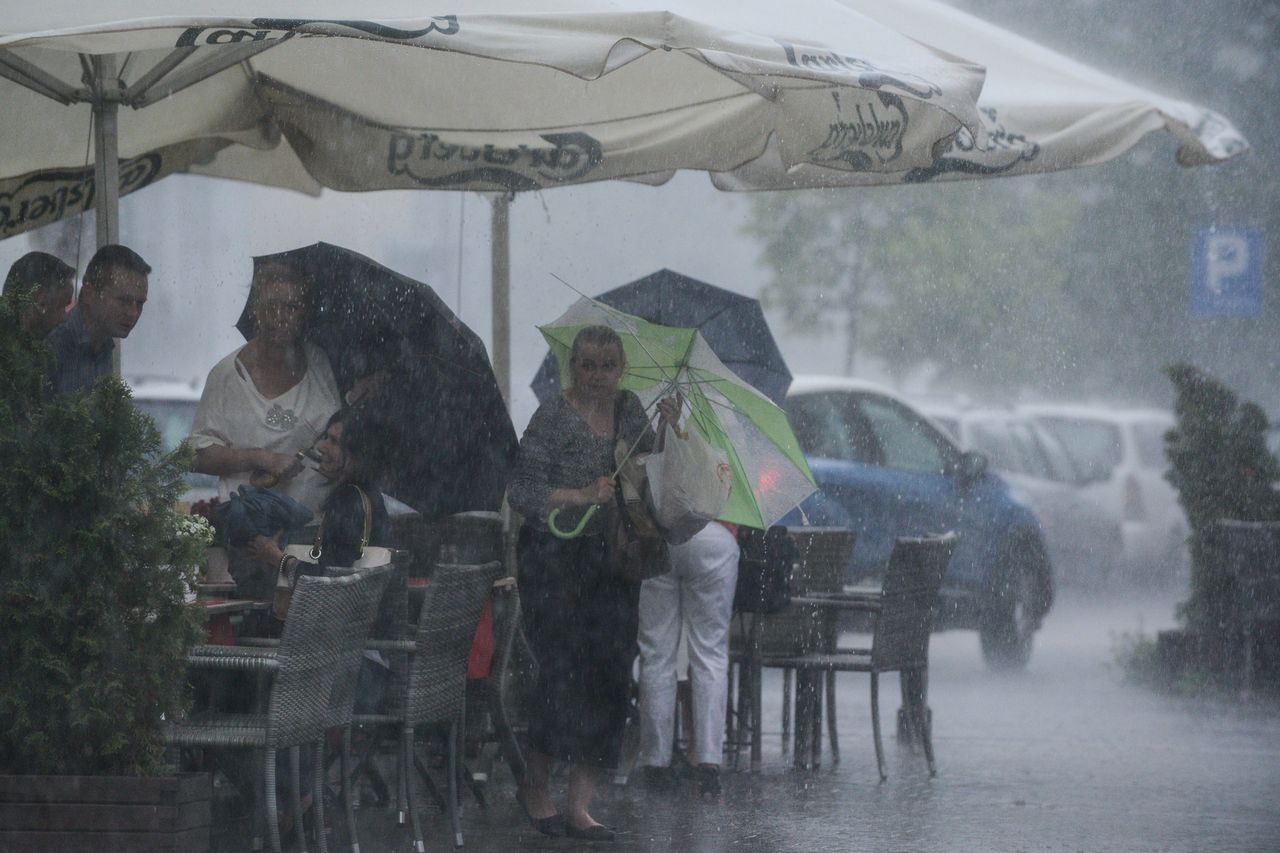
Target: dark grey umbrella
451	442
732	324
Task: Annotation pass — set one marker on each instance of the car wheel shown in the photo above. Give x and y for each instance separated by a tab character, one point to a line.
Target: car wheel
1012	616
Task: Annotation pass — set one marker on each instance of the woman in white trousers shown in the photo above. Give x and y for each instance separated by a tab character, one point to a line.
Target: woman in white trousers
695	596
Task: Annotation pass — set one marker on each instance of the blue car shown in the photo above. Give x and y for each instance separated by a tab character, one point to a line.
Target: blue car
885	471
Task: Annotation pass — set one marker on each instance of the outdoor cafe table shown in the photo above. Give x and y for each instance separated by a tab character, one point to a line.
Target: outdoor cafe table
861	597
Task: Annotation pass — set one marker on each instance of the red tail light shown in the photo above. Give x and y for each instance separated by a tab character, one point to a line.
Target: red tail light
1134	509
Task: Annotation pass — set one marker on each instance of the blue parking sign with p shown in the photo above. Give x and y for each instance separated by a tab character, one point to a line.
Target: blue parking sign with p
1226	272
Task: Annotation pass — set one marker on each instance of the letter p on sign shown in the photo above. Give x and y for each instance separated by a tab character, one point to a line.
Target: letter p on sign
1226	272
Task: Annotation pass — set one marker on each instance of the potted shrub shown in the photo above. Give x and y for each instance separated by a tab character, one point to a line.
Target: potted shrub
1222	469
94	633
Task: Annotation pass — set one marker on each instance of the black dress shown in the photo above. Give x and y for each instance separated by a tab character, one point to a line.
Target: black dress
580	618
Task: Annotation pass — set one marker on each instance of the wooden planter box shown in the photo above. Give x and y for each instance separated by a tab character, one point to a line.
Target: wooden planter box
105	814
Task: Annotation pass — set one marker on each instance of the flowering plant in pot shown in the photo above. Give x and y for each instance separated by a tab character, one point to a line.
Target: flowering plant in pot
94	564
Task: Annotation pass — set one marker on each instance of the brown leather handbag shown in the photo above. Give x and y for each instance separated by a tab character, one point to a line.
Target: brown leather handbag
637	548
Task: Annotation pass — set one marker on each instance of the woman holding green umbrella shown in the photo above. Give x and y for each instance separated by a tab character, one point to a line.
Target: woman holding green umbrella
580	617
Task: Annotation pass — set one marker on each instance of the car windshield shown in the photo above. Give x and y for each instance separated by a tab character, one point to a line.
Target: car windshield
1094	444
994	439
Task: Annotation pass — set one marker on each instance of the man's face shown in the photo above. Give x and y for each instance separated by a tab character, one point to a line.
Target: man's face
114	310
49	307
332	458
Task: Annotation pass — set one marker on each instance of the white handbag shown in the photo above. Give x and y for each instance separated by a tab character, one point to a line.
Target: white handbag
689	481
370	556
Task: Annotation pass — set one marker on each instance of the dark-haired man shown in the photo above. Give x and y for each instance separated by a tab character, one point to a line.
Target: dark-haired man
44	284
111	299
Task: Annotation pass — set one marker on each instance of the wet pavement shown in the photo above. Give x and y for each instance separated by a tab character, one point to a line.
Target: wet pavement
1062	757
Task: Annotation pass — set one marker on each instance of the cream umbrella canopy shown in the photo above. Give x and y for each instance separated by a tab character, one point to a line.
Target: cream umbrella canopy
1041	111
500	95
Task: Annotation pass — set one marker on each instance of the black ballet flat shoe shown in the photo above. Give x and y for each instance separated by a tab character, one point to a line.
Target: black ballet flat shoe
595	832
553	825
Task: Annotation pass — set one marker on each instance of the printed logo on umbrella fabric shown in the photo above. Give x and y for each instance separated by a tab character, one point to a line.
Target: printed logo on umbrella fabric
868	132
430	159
32	200
276	29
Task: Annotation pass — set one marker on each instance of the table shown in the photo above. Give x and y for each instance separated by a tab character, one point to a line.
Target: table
864	597
219	612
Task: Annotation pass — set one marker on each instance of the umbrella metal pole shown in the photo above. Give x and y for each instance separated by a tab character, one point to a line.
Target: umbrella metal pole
106	160
500	258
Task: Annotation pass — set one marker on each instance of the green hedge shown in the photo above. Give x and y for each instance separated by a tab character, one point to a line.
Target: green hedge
93	566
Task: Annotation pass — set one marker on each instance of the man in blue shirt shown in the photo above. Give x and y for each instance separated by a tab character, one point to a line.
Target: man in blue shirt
111	299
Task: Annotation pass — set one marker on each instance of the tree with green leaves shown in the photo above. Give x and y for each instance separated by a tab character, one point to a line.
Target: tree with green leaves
971	278
94	562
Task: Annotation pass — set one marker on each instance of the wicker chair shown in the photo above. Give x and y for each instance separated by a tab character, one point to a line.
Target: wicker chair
904	615
821	560
390	625
324	634
433	690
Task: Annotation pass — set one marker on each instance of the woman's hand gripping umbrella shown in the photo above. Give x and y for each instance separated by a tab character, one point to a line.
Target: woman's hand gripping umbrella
770	476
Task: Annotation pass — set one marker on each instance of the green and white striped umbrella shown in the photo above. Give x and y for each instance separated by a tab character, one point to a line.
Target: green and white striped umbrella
770	475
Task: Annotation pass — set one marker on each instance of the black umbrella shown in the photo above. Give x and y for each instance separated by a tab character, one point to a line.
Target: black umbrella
733	326
451	439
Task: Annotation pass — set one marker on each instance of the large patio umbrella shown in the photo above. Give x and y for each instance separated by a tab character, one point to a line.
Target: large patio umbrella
497	95
1042	111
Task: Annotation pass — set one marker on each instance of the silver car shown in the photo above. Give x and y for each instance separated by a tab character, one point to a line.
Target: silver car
1122	451
1084	539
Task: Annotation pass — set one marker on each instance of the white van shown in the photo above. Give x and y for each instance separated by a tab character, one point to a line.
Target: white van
1121	450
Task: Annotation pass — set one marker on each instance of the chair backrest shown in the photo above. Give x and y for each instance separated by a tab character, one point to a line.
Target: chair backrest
390	621
470	538
324	634
821	559
909	601
446	628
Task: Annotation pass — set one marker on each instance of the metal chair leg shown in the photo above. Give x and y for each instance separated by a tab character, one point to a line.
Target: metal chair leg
402	782
832	734
273	813
786	711
815	724
506	736
259	807
295	791
406	759
345	768
757	703
454	807
317	795
875	723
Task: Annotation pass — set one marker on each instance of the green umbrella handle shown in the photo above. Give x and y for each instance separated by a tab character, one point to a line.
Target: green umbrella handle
575	532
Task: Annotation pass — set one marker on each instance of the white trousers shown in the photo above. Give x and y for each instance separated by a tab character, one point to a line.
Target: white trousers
696	596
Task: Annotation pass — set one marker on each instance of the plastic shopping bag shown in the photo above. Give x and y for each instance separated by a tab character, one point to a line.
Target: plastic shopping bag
689	481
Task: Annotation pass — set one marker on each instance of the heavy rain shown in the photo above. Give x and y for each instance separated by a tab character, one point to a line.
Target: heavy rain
885	318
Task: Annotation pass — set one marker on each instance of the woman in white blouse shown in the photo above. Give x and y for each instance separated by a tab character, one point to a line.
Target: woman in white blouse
269	399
